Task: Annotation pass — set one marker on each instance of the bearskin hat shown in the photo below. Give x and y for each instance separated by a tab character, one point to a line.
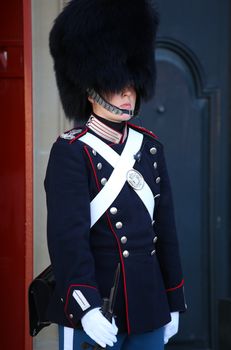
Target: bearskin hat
103	45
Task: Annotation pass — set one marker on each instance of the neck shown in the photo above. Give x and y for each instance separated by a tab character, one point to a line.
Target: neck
118	126
112	132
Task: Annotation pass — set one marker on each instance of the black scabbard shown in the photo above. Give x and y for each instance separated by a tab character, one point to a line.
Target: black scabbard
108	307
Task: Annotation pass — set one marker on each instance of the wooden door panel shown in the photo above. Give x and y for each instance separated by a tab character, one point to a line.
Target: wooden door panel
191	115
179	116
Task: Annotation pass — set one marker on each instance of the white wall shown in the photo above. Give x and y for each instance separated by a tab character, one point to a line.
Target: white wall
48	123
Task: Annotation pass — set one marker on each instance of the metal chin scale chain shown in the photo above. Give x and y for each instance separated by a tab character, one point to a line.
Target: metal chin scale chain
108	106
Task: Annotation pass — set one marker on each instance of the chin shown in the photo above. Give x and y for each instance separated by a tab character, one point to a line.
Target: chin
125	117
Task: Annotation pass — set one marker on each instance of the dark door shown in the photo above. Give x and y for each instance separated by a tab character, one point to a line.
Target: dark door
190	114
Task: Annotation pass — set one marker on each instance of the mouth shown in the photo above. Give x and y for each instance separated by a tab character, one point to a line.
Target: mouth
126	106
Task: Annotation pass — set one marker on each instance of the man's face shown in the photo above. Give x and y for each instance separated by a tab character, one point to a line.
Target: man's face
126	99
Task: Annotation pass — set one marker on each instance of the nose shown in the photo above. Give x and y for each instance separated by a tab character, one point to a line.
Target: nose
127	91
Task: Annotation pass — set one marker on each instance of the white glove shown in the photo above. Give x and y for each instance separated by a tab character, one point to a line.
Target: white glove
172	327
99	328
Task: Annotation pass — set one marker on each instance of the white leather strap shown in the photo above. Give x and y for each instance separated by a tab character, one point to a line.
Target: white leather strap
121	164
102	148
68	338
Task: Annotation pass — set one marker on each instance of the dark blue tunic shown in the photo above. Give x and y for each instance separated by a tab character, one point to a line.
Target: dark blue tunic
151	284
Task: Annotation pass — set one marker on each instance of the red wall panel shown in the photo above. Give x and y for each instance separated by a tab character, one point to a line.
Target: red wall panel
12	209
13	180
11	15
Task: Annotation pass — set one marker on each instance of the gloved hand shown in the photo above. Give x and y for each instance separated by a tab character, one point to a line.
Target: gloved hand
172	327
99	328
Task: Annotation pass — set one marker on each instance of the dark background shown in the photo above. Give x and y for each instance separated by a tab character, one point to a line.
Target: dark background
191	115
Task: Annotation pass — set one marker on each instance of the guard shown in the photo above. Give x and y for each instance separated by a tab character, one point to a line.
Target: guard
108	194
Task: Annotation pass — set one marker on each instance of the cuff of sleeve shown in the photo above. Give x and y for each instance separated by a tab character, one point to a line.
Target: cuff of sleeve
81	299
176	298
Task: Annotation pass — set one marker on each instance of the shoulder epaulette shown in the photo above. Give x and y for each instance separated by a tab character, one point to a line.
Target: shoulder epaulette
143	130
74	134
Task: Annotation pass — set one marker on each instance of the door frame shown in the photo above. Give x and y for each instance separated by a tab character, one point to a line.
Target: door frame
27	46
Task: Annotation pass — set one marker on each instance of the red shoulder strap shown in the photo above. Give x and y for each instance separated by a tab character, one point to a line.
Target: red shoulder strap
74	134
142	129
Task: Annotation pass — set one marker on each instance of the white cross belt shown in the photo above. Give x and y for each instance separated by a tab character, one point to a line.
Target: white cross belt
122	165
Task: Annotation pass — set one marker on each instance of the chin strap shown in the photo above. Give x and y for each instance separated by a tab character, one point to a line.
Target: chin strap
108	106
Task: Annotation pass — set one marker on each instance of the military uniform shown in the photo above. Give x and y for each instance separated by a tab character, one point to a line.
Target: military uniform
84	259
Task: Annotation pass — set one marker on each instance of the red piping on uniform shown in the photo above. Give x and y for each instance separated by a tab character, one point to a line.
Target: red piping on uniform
79	135
67	299
110	225
174	288
124	274
143	129
93	168
97	184
77	285
66	132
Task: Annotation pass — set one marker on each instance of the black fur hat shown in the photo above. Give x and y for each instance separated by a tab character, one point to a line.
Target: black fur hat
104	45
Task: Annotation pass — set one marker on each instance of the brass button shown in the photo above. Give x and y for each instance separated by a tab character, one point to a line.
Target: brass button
125	253
113	210
71	316
103	181
155	239
153	150
158	180
155	165
99	166
119	225
153	252
94	152
124	239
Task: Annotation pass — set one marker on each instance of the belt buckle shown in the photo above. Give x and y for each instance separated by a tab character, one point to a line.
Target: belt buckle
135	179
